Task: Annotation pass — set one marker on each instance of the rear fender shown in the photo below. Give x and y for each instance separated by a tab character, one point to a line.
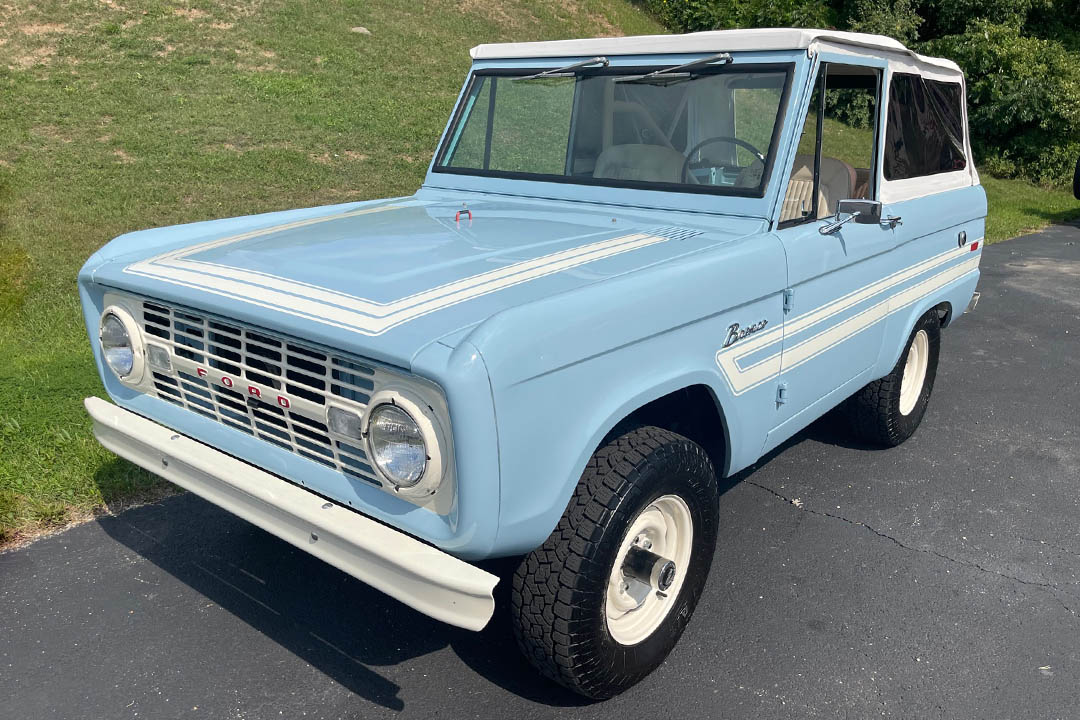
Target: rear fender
948	226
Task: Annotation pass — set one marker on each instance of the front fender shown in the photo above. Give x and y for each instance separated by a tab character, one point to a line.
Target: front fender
567	369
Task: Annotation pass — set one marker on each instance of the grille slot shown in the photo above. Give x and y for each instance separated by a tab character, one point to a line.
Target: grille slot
309	377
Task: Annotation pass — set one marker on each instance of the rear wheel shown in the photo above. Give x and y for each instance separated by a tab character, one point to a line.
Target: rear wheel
601	604
888	411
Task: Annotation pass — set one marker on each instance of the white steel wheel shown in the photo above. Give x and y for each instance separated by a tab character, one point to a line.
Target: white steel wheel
603	601
636	605
911	384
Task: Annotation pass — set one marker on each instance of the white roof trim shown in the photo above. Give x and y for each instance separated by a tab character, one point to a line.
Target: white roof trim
714	41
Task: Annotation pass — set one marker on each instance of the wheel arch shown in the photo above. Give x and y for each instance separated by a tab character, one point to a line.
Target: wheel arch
900	330
533	512
692	411
901	322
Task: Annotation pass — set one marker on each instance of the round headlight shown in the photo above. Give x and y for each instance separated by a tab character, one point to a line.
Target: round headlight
116	345
397	445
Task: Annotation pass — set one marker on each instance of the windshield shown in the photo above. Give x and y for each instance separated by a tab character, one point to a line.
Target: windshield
707	130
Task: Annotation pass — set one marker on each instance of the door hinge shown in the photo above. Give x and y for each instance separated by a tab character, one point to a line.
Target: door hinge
781	393
789	300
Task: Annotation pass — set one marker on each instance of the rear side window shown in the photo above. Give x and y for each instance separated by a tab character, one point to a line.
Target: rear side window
924	133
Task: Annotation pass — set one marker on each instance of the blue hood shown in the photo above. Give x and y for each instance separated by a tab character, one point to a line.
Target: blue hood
386	278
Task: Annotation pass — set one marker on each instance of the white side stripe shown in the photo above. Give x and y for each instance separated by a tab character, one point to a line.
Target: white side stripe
817	315
742	379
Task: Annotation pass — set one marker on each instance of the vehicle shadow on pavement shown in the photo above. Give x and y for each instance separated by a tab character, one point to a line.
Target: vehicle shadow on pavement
337	624
830	429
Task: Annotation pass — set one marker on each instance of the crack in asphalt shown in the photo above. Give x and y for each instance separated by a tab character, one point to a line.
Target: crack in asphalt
1055	591
1052	546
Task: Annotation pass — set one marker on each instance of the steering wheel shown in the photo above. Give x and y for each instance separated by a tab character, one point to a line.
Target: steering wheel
718	139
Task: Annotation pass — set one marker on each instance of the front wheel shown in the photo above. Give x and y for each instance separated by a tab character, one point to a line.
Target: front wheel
604	600
888	411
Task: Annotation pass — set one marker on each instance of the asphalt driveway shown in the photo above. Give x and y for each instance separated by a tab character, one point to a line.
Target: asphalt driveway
938	579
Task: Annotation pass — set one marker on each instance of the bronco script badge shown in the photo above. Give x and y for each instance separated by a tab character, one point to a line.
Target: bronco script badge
736	333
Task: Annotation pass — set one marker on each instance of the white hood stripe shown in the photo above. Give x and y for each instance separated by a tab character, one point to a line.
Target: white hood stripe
356	313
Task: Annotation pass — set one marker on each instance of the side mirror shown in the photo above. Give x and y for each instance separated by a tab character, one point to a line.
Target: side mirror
866	212
1076	181
863	212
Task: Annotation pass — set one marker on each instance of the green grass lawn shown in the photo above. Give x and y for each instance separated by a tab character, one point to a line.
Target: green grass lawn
124	114
121	115
1018	207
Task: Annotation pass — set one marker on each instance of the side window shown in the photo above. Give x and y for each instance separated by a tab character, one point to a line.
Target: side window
924	132
835	158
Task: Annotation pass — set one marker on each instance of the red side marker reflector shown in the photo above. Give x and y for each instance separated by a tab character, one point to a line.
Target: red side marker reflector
974	246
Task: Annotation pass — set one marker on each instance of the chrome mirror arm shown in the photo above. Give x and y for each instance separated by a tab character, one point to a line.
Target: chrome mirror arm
837	224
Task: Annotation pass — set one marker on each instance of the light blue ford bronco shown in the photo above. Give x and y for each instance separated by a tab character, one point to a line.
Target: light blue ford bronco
635	265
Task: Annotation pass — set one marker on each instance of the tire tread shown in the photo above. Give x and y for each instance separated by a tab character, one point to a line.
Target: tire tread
873	413
550	584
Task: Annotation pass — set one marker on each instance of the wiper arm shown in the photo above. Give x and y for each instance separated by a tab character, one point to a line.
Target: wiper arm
722	58
567	70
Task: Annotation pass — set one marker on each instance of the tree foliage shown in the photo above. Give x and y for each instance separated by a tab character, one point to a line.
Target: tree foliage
694	15
951	17
1021	59
895	18
1023	99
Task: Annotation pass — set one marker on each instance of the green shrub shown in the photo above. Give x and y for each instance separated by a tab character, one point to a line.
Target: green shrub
895	18
952	17
1023	99
694	15
689	15
1057	20
782	13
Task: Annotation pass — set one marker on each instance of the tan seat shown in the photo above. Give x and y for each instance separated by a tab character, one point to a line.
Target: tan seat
837	183
647	163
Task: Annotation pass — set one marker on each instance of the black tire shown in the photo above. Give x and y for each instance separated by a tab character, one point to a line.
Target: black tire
874	413
559	590
1076	180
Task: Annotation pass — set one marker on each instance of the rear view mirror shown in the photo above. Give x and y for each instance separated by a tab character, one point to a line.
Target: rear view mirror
866	212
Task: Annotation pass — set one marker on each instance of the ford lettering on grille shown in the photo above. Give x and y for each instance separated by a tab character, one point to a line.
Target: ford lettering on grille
262	384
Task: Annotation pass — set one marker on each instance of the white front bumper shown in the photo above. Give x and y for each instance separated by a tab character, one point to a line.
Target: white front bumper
419	575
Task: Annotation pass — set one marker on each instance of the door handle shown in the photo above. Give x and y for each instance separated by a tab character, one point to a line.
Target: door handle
892	221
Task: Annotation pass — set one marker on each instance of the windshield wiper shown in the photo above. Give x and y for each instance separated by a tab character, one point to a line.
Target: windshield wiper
566	70
678	70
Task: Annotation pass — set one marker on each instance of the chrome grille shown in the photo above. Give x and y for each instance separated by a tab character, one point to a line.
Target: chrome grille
308	378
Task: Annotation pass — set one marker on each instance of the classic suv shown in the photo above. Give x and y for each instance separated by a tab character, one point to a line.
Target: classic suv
635	265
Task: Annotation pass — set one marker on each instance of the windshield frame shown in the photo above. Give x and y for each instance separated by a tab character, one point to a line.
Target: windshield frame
787	68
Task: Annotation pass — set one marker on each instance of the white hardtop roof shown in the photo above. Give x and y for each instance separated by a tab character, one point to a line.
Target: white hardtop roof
714	41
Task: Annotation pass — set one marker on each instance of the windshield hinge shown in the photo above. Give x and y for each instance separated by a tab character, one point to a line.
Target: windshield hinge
789	300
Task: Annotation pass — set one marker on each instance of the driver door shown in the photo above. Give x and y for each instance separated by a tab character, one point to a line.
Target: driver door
832	335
